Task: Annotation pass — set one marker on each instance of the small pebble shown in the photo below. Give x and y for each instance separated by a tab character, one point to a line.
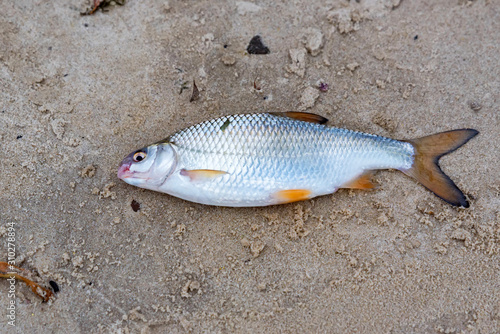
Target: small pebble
136	206
474	105
322	86
228	59
257	47
313	41
308	98
298	65
54	286
352	66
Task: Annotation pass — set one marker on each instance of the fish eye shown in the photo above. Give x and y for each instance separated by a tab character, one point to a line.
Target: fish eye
139	156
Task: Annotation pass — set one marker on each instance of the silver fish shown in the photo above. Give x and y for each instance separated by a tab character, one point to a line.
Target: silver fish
274	158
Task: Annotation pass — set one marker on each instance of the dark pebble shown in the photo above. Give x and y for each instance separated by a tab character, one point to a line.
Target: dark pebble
136	206
54	286
257	47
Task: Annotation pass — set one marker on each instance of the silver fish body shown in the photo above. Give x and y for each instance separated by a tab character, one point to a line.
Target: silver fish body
265	159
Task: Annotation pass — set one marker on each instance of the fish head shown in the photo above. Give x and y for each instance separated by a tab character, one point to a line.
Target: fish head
148	167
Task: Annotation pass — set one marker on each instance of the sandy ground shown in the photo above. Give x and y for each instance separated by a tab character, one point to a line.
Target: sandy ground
78	93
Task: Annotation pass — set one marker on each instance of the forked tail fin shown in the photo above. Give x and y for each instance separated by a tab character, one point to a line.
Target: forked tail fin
425	168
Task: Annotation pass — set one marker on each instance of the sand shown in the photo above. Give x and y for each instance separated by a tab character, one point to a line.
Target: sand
78	93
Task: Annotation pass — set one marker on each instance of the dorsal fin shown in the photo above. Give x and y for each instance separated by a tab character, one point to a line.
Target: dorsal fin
302	116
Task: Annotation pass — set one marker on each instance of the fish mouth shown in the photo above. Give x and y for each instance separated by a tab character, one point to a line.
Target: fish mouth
124	171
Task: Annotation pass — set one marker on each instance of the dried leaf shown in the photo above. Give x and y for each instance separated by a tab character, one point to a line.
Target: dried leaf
258	88
92	10
103	4
184	85
9	271
196	93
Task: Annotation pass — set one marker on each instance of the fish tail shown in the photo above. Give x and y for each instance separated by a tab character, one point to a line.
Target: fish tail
426	170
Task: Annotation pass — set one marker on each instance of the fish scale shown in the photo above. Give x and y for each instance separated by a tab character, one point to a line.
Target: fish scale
262	153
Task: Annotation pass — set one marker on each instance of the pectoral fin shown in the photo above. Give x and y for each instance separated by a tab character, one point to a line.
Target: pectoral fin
362	182
292	195
201	174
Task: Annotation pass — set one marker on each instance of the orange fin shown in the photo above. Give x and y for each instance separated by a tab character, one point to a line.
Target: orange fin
292	195
362	182
426	170
302	116
199	174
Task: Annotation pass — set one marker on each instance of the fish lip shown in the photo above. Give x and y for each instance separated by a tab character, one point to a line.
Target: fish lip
124	170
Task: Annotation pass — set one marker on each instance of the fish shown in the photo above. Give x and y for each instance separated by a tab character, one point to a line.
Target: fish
261	159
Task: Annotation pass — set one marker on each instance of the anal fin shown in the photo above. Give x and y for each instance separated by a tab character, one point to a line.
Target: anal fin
362	182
